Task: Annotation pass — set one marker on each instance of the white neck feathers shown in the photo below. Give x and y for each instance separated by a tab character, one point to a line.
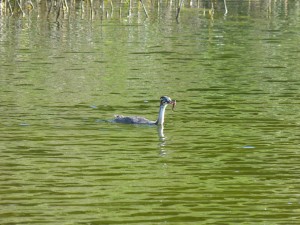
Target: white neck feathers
161	115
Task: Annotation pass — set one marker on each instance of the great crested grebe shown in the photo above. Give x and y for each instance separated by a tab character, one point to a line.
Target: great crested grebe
164	102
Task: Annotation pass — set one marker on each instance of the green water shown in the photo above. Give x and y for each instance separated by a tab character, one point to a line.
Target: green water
230	151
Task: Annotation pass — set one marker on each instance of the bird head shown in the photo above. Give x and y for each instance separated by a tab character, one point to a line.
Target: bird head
165	100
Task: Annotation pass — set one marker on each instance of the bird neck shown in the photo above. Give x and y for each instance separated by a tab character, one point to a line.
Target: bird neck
161	115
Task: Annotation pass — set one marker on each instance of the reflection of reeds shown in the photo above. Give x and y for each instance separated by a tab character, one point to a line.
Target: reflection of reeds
92	9
61	7
144	8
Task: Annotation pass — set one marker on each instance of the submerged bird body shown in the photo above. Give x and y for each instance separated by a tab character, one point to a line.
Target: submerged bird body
164	101
132	120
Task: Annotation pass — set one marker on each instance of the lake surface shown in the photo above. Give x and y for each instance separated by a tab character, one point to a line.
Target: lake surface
230	150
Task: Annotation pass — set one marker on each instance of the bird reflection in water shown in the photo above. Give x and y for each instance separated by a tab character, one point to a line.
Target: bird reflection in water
162	140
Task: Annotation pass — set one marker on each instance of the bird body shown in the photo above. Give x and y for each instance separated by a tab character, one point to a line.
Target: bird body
164	101
132	120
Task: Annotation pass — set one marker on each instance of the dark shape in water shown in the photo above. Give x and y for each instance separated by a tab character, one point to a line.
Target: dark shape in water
164	102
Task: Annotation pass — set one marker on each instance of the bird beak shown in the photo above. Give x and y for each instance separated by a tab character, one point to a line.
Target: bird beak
174	104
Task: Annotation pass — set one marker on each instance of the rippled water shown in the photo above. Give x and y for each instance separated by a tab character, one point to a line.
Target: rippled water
230	151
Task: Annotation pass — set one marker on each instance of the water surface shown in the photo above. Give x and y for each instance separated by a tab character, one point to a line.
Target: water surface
230	151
